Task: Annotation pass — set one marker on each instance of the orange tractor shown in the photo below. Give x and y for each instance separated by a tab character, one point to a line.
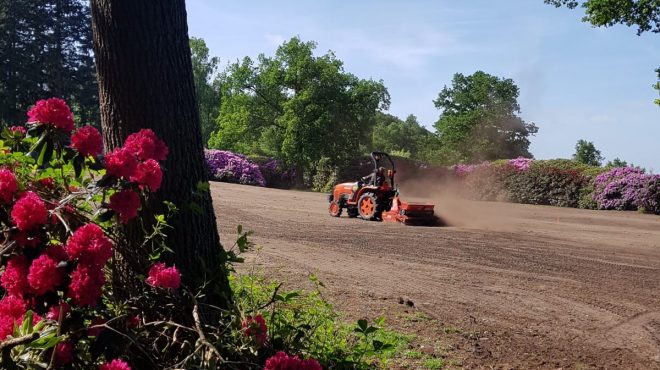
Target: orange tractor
376	197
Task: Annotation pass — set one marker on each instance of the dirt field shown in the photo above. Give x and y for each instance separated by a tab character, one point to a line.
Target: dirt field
507	286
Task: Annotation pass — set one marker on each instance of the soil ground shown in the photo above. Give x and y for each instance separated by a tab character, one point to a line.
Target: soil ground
506	286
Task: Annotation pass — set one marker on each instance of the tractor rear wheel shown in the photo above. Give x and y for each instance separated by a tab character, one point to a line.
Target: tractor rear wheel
368	207
334	209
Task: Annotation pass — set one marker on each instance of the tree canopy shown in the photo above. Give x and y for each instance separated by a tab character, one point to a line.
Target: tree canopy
206	85
406	138
46	51
479	119
297	106
644	14
586	152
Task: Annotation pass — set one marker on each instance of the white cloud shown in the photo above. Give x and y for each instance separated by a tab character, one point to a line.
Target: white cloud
403	52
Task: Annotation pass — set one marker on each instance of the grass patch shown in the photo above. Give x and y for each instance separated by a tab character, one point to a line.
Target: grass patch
451	330
304	323
412	354
434	363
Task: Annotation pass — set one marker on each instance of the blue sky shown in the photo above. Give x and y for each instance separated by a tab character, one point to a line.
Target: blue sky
576	81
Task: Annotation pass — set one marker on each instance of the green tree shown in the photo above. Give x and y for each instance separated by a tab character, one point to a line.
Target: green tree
586	152
390	134
479	119
206	86
643	14
616	162
657	86
298	107
46	51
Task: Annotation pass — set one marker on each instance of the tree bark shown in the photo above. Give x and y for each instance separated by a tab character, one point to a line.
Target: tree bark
145	78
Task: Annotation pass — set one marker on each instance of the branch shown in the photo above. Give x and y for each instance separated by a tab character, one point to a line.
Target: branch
272	298
11	343
200	331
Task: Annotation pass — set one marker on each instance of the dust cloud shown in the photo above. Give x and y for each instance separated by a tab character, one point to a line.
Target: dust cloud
452	207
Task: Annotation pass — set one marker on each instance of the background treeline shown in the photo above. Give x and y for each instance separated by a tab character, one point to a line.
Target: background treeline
305	110
46	51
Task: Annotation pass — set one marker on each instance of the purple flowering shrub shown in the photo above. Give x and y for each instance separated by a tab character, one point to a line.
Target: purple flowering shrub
520	163
227	166
627	188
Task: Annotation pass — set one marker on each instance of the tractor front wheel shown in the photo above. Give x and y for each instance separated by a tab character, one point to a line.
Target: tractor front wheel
334	209
368	207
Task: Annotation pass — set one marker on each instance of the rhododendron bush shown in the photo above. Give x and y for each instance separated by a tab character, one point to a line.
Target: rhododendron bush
232	167
561	183
61	204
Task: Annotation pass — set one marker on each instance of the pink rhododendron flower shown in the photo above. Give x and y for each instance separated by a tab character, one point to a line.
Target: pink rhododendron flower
164	277
12	306
54	311
52	112
145	145
63	353
6	326
18	129
87	141
47	182
282	361
56	252
256	327
148	173
44	275
115	365
89	245
86	285
126	203
14	279
29	212
120	163
8	185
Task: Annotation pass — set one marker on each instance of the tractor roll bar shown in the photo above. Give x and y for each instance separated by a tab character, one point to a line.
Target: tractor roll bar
377	157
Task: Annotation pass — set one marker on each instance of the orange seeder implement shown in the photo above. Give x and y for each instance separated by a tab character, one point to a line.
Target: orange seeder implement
411	213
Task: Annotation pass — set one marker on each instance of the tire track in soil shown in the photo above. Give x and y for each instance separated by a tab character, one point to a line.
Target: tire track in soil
543	294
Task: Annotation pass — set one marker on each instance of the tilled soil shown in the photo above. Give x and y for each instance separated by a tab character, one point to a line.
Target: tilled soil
527	286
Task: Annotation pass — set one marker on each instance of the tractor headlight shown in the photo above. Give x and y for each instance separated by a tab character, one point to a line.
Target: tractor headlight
355	187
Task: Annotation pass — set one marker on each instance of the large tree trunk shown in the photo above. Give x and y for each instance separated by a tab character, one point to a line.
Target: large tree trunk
146	81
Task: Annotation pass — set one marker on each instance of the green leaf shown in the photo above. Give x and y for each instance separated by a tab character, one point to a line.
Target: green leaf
26	328
105	216
203	186
239	229
291	296
371	330
78	162
38	146
106	180
363	325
